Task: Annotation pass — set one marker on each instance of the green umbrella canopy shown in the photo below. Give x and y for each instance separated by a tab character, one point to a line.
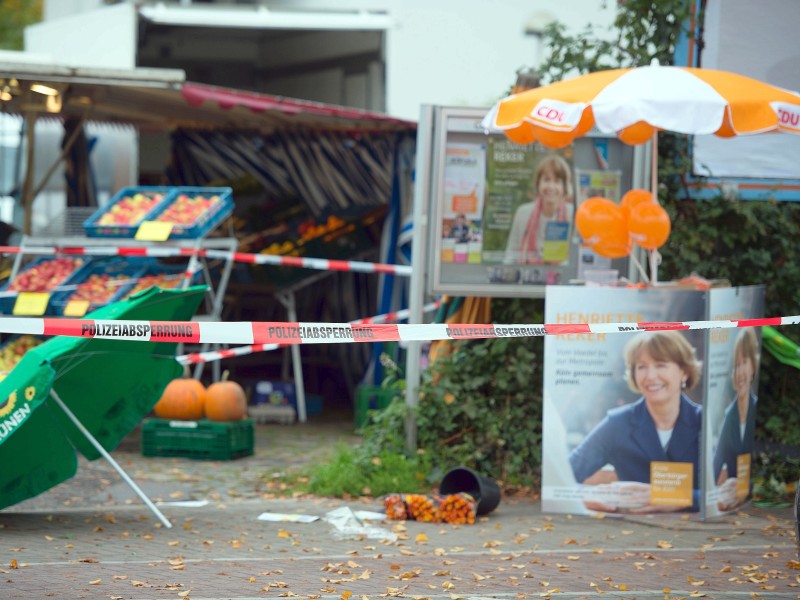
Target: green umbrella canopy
109	385
34	453
781	347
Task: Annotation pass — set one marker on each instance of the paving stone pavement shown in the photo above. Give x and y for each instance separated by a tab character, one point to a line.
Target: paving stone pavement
92	538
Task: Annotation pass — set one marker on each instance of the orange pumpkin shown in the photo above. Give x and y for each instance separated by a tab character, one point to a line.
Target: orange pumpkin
183	399
225	401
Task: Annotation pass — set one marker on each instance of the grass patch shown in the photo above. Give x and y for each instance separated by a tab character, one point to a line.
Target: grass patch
348	474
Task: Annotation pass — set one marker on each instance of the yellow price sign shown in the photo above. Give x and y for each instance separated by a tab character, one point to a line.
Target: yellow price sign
76	308
154	231
31	304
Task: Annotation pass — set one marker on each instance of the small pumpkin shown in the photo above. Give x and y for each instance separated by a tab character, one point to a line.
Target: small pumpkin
183	399
225	401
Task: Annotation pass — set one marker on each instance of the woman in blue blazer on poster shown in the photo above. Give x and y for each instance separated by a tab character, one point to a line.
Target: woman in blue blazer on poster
737	433
663	425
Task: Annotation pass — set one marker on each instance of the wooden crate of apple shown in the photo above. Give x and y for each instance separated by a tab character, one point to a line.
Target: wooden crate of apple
13	351
130	210
99	288
46	275
186	209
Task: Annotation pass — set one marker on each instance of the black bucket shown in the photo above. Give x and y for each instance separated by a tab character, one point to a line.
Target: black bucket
463	479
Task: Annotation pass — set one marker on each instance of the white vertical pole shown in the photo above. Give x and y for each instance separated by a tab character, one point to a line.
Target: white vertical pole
639	180
416	299
111	461
654	167
653	254
288	301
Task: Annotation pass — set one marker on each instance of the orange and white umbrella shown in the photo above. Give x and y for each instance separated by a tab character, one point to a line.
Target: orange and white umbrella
637	102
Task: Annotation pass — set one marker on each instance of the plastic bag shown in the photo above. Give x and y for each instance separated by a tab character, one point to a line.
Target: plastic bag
349	526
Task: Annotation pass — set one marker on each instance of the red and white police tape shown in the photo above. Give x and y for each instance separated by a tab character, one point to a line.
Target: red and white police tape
214	355
248	332
322	264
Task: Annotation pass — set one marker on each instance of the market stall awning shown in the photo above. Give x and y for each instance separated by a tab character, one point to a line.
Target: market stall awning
160	99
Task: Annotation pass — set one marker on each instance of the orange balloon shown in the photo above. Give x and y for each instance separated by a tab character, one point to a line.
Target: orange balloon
604	227
636	196
614	241
596	216
649	225
613	249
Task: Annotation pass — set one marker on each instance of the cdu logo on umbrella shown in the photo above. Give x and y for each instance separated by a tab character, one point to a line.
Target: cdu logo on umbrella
555	114
788	116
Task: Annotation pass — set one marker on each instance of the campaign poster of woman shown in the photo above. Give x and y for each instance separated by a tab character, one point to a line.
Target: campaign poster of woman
623	412
530	206
540	228
734	357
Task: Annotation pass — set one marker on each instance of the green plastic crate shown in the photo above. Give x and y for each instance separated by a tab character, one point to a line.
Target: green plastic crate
370	397
204	440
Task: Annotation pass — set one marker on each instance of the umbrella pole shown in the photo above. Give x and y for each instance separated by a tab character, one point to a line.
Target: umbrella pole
654	189
111	461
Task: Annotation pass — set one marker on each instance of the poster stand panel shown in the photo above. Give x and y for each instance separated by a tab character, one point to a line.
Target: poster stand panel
501	216
649	422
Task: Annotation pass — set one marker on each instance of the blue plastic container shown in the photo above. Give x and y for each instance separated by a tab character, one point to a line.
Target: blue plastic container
92	225
154	267
112	266
7	301
206	221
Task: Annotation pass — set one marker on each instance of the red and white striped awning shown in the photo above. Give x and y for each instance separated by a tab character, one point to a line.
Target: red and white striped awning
160	99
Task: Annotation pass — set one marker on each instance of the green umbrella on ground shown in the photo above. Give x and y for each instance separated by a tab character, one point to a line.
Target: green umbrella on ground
780	346
72	394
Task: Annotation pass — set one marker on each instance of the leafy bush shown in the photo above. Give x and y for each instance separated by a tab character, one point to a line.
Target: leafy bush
352	472
481	405
775	477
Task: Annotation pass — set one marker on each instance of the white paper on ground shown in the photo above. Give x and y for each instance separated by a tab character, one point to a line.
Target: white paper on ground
184	503
287	517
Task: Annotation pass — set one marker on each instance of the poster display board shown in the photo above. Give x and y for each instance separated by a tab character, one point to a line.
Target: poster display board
640	423
731	399
502	215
